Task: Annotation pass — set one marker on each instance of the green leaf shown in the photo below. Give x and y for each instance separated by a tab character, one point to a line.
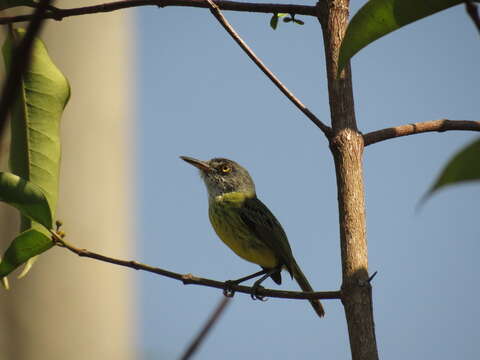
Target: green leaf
274	21
26	245
380	17
287	19
299	22
5	4
35	121
464	166
26	197
35	143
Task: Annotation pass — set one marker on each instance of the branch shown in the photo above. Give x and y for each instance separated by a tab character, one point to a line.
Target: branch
472	10
191	279
60	14
215	10
347	150
206	328
20	60
421	127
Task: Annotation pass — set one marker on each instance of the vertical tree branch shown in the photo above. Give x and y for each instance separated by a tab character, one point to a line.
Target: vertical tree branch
347	147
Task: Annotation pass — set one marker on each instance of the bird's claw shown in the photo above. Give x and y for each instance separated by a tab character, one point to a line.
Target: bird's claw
227	290
254	295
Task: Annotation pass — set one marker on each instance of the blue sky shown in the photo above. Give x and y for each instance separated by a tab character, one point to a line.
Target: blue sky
199	95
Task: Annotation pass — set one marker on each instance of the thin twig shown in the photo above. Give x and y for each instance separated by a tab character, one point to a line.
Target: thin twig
226	25
60	14
191	279
472	10
20	61
372	276
206	328
421	127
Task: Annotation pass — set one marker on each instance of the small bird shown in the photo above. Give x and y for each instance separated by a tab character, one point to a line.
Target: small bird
246	225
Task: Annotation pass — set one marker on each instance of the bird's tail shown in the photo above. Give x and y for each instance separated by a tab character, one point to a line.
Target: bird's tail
305	286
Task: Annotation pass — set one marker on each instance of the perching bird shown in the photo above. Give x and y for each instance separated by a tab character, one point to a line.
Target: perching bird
246	225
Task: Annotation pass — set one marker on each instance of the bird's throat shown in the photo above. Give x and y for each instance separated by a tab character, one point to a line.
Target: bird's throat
233	198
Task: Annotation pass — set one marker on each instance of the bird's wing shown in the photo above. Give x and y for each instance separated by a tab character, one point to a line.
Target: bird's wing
266	227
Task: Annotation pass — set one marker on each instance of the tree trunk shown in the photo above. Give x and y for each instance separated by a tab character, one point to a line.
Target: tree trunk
347	146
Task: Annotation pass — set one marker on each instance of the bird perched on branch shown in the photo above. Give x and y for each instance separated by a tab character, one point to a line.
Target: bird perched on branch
246	225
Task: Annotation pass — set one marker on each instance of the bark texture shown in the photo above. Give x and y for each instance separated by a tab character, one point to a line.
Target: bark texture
347	147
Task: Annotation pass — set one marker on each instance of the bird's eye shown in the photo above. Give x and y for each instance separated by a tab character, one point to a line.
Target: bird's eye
226	169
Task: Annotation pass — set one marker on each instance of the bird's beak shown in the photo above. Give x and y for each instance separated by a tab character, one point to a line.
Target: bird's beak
202	165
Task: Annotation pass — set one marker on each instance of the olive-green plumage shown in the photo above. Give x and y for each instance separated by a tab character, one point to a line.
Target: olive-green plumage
244	223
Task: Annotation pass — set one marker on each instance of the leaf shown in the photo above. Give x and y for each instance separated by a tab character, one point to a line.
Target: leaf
287	19
5	4
274	20
380	17
26	245
299	22
35	122
463	167
26	197
35	140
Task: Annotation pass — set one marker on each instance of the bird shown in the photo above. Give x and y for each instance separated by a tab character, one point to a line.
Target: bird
247	226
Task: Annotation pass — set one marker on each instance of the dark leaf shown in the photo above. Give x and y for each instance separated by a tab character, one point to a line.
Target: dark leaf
274	21
463	167
26	245
380	17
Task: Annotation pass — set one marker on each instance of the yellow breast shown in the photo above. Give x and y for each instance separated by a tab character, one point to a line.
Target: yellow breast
231	229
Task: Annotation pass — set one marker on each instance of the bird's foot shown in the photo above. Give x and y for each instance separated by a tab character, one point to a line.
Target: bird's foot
227	289
254	295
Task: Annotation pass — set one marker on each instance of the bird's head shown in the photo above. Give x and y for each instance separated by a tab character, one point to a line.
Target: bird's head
223	176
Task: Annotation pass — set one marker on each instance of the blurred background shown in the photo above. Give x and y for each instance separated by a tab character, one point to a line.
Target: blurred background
185	88
67	308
